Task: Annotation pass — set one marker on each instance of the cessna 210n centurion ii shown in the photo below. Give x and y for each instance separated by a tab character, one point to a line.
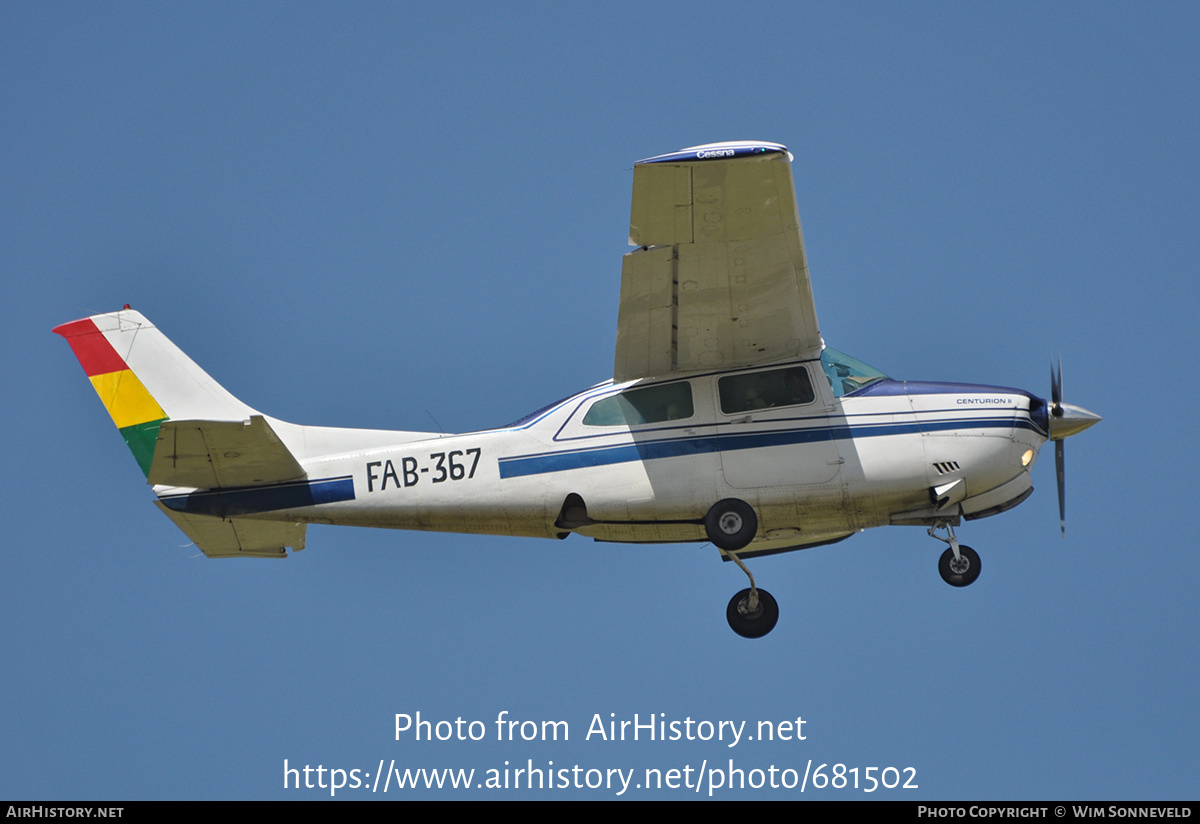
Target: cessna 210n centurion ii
727	418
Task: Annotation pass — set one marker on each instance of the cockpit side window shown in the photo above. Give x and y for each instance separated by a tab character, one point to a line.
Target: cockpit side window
652	404
764	390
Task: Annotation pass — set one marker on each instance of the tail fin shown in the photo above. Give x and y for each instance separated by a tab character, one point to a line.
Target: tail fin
143	379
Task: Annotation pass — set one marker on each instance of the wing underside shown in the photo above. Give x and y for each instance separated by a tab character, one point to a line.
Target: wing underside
720	278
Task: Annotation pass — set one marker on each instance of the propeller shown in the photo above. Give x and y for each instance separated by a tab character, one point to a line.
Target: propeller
1065	420
1060	455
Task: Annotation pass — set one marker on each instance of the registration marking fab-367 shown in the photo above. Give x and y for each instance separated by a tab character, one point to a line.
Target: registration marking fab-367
455	465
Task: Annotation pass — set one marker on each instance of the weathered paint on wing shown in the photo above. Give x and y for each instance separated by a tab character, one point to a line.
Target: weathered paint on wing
721	279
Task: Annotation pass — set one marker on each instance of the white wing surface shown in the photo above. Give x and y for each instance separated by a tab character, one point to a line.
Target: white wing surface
720	279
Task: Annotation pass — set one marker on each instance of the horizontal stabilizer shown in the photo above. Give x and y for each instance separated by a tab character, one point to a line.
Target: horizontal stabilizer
238	537
221	454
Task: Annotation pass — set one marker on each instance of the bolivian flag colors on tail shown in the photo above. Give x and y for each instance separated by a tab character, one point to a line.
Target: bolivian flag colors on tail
135	412
211	458
143	379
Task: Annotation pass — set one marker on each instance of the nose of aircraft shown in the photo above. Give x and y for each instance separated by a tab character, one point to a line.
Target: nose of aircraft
1067	419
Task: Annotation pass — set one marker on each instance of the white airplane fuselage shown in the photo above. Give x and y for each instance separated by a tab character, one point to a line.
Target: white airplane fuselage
814	472
727	419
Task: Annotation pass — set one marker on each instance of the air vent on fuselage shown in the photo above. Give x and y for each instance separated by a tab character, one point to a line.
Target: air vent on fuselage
945	467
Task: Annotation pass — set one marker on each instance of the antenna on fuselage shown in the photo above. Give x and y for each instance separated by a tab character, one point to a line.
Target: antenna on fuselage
441	432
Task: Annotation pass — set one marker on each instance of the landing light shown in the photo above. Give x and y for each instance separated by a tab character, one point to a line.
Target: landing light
1027	457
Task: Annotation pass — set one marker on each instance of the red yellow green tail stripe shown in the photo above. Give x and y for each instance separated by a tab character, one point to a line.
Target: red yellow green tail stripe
133	409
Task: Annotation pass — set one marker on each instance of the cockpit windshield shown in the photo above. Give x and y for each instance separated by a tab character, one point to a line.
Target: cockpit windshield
847	374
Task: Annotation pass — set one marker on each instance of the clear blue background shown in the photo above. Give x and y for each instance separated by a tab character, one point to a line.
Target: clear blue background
378	214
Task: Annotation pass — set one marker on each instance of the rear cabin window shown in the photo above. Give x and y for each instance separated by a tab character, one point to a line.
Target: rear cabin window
765	390
652	404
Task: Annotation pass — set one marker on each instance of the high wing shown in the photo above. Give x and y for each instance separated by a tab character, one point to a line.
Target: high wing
720	279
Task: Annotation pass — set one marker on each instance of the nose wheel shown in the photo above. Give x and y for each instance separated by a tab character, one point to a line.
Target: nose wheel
961	571
959	565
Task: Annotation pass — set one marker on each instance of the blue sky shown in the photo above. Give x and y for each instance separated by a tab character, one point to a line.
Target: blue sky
372	214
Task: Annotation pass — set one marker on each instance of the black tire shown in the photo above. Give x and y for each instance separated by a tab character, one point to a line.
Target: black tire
961	577
754	624
731	524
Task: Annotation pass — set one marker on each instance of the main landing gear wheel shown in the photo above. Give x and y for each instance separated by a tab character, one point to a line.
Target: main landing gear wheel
961	571
752	622
731	524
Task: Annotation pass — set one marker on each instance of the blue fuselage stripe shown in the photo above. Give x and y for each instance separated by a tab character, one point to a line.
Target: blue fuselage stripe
229	503
672	448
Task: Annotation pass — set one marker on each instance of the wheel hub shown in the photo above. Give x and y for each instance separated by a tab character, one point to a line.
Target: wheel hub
756	622
745	611
960	564
730	523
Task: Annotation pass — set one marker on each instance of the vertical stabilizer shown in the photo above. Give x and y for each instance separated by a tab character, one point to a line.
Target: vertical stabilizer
143	379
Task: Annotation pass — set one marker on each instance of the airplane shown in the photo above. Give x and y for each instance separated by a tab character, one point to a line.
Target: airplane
727	418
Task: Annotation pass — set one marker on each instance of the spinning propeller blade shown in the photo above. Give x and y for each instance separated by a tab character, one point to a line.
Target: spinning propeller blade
1060	458
1065	420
